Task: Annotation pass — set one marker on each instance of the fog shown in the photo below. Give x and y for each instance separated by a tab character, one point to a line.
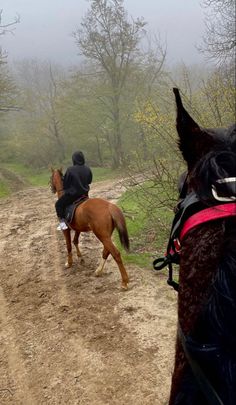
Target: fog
45	28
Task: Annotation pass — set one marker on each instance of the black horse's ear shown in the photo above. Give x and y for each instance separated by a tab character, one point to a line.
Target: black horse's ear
191	137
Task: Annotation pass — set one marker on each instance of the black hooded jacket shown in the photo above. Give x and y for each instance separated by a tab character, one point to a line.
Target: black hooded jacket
77	177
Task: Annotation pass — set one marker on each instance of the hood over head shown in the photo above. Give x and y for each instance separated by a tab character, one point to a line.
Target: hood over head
78	158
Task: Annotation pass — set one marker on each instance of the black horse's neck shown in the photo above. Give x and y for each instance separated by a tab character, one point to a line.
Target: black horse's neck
212	342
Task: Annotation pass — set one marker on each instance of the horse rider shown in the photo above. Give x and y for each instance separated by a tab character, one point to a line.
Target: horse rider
76	183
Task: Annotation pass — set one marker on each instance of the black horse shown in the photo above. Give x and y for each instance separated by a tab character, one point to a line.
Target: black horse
205	362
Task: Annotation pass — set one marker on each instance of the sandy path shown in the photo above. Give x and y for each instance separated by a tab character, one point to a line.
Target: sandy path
66	336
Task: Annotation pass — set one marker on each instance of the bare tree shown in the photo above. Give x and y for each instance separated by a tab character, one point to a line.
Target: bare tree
40	90
7	87
108	38
54	125
7	27
219	41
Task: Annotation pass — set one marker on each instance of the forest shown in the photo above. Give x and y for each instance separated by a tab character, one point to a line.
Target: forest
117	105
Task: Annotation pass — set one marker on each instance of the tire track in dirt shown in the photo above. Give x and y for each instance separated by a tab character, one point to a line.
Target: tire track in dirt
79	339
8	337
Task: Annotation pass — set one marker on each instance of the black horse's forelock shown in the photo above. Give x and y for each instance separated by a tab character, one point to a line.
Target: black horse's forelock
211	168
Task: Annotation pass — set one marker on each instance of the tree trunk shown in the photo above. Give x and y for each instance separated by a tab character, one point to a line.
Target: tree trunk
118	152
99	152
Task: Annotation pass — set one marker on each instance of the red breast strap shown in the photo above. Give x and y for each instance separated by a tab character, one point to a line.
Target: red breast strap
208	214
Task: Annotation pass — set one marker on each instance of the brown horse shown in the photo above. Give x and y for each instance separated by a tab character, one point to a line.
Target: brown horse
99	216
205	361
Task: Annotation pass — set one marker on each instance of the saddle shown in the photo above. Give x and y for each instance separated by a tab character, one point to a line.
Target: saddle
70	209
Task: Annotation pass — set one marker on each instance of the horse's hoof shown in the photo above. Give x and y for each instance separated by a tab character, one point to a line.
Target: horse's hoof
68	265
97	273
124	286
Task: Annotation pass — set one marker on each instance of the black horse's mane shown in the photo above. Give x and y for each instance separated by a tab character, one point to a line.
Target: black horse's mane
214	337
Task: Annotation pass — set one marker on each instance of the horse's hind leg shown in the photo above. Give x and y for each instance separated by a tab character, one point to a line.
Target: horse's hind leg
76	243
100	268
110	248
67	236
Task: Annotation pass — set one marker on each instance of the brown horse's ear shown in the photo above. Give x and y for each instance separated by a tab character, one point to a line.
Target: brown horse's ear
192	139
52	170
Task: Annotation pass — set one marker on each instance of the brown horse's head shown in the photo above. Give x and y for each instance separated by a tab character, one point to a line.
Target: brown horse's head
56	180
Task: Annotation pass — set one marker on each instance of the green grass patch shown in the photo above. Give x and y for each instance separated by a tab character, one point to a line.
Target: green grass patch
4	190
104	173
40	177
34	177
148	228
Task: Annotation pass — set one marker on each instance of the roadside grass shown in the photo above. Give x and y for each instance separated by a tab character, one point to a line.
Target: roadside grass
148	232
4	190
40	177
34	177
105	173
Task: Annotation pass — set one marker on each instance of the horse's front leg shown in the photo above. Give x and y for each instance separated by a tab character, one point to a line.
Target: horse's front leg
67	236
76	244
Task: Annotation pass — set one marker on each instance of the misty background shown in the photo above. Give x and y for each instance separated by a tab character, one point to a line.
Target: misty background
98	76
45	27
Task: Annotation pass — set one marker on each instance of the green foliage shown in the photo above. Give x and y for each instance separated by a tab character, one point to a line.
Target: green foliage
148	231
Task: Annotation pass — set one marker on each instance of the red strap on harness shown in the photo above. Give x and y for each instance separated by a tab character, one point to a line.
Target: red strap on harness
208	214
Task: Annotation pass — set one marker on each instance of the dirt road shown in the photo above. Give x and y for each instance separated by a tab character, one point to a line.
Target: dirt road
67	337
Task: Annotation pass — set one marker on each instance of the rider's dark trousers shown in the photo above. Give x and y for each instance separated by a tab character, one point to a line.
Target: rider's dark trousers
62	203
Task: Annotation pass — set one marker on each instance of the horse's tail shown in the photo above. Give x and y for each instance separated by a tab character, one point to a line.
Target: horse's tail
120	225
